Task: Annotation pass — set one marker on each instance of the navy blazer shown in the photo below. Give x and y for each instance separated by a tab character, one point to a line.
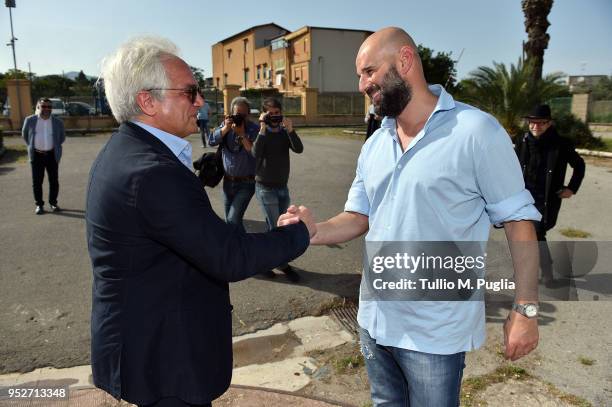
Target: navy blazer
162	260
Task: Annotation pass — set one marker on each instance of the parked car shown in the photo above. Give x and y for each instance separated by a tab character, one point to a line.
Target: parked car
79	109
58	107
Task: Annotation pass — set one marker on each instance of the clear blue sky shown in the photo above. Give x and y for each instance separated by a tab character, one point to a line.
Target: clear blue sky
70	35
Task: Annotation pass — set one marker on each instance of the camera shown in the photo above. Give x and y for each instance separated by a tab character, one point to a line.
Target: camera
238	119
273	120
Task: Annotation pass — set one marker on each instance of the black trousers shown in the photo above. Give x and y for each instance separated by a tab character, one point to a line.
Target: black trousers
40	163
544	250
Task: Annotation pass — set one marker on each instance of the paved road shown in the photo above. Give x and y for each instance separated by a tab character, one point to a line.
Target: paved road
45	275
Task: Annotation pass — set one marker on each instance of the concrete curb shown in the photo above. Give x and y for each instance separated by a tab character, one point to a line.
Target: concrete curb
274	360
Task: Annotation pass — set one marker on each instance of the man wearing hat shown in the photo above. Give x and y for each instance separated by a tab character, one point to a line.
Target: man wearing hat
544	156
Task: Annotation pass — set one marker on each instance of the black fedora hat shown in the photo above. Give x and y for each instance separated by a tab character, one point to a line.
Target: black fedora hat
539	112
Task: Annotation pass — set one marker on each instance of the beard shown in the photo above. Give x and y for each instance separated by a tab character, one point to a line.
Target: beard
395	94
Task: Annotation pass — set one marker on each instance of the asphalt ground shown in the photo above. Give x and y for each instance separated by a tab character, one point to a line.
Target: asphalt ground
45	273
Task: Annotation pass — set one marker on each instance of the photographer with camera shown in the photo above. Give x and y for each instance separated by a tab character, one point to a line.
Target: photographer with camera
236	135
271	151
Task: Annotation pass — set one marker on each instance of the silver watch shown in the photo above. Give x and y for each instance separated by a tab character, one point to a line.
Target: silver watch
529	310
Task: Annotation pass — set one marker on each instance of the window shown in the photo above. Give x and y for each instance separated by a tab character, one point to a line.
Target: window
246	42
279	43
266	73
259	72
246	77
229	53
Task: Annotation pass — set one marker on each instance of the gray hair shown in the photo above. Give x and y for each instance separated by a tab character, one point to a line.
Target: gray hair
136	65
240	100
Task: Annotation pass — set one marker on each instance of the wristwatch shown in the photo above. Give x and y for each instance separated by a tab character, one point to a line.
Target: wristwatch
529	310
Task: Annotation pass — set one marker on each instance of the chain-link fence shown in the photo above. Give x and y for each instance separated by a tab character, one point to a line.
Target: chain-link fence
340	104
560	105
601	111
292	104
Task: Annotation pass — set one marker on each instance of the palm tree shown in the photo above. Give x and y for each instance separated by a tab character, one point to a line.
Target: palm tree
536	24
508	94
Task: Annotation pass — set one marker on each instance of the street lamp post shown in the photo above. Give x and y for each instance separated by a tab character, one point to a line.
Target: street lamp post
11	4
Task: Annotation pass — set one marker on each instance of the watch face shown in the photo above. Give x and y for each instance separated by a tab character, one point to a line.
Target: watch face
531	310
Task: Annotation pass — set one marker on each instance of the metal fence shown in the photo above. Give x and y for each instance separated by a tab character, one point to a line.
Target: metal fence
601	111
560	105
292	104
340	104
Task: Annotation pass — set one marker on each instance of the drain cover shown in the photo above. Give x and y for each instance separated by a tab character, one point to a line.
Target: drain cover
347	317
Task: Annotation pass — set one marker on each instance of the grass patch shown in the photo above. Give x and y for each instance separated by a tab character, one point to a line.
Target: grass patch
586	361
16	153
574	233
474	385
570	399
348	363
607	144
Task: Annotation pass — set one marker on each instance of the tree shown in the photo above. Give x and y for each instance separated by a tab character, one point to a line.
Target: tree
52	86
602	90
536	24
508	94
198	74
439	68
82	85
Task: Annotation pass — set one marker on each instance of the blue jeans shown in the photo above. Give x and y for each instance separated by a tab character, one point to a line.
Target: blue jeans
273	201
203	125
402	377
236	197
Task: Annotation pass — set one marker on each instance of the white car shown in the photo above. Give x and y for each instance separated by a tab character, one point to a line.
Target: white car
58	107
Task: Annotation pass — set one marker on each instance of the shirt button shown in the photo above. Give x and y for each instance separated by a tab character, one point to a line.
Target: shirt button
399	166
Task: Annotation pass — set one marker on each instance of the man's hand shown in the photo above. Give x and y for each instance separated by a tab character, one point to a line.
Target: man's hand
228	124
520	335
288	124
262	122
295	214
565	193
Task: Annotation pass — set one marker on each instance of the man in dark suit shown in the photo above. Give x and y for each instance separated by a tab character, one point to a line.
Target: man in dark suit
44	135
162	259
544	156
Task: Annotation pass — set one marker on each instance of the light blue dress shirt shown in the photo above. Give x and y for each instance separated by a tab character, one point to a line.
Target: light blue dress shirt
181	148
458	176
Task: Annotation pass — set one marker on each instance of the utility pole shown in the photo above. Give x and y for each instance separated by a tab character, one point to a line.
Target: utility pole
11	4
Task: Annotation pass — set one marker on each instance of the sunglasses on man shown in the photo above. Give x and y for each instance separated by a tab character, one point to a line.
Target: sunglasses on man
191	91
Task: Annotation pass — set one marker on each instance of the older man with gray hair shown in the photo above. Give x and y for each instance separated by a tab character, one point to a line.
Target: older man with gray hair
162	259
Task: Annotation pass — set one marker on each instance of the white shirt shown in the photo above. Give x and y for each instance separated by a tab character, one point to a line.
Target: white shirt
43	136
179	147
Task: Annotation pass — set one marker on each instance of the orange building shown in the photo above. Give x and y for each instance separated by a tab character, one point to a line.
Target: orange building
269	56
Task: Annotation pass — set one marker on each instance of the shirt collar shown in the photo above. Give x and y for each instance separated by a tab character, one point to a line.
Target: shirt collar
445	102
174	143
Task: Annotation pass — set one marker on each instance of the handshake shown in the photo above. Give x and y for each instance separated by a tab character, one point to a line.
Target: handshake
295	214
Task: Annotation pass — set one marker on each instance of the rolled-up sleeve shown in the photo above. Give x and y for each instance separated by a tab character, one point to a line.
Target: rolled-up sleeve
357	200
500	181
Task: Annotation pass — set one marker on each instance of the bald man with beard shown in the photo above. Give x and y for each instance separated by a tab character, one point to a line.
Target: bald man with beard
436	171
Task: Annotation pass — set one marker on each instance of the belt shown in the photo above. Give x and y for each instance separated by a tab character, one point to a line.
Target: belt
240	179
43	151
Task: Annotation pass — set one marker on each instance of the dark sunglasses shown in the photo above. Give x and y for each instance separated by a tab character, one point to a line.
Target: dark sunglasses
46	107
191	91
